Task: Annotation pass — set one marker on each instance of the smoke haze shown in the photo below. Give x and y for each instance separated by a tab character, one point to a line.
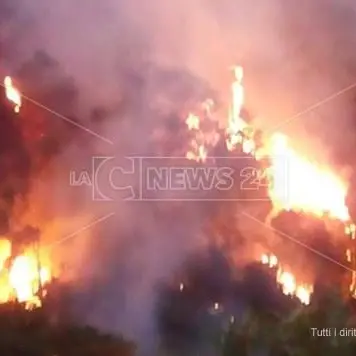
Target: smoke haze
294	55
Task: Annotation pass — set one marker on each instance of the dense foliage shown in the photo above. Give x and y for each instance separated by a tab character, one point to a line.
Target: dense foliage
296	333
33	333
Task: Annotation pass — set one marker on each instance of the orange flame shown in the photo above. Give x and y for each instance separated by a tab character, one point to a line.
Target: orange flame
236	125
198	150
12	94
23	279
300	185
294	182
287	280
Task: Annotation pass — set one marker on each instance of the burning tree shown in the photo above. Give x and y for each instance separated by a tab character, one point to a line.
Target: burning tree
29	141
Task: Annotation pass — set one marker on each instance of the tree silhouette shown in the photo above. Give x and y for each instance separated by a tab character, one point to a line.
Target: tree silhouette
24	333
292	334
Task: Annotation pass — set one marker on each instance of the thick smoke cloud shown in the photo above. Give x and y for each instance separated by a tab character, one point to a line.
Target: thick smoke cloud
294	56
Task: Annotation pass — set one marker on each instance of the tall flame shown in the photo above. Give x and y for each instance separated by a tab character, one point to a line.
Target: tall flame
12	94
236	130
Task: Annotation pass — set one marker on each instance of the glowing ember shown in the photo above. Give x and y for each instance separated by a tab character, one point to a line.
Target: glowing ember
270	260
23	278
12	94
198	153
350	230
353	284
348	255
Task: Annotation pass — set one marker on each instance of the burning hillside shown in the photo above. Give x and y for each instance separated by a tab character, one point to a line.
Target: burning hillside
271	168
293	182
25	267
134	63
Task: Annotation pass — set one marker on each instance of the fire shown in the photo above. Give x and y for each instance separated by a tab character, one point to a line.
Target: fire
236	130
197	153
350	229
270	260
12	94
300	185
202	138
22	277
197	150
287	280
193	122
294	182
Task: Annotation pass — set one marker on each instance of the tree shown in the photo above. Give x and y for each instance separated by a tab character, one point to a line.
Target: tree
30	333
295	334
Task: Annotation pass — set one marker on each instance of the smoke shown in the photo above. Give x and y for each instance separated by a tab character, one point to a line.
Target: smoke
128	59
15	166
305	48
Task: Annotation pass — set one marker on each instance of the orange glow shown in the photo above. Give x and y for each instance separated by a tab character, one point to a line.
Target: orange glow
295	183
270	260
236	125
21	277
12	94
348	255
197	151
287	280
198	148
300	185
350	230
